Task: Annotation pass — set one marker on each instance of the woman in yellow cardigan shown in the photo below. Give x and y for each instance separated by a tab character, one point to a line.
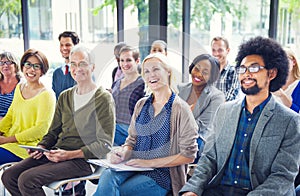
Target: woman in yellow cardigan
30	114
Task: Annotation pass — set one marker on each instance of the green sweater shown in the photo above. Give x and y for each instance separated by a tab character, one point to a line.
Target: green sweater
88	128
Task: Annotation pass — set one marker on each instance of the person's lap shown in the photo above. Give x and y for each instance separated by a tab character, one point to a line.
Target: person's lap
141	185
128	183
43	171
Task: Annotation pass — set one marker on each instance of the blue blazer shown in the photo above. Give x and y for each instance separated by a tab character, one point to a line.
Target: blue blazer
274	150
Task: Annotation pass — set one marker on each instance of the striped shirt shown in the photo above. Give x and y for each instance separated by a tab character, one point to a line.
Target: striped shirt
237	169
5	101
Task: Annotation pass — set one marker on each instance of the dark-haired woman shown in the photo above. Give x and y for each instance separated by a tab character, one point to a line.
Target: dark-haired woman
201	95
9	78
30	114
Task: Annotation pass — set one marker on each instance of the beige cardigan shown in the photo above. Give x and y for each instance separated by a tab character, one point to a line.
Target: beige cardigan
184	132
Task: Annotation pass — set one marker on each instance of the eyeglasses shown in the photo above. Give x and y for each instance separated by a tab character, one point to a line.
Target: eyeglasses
254	68
6	62
81	64
35	66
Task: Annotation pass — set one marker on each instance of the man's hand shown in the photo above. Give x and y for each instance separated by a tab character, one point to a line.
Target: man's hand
36	154
57	155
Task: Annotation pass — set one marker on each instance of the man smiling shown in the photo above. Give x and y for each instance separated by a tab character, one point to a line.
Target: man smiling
62	79
255	146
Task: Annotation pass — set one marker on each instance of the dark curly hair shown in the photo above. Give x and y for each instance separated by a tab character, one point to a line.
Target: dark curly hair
215	66
273	56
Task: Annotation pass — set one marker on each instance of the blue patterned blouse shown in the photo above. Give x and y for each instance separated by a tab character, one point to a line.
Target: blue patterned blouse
153	139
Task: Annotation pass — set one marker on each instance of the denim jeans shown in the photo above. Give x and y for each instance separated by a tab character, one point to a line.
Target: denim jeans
121	134
112	183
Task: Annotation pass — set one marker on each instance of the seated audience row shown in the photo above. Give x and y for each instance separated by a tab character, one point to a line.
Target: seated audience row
82	126
164	130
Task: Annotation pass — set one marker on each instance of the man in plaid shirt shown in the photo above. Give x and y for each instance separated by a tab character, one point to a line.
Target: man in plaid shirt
228	81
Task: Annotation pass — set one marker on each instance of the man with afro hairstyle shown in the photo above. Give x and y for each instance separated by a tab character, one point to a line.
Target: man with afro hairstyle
254	148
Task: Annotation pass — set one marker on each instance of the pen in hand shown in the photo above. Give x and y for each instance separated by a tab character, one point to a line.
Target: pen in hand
111	150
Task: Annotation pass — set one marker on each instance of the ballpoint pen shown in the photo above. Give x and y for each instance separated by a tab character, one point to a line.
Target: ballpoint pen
111	150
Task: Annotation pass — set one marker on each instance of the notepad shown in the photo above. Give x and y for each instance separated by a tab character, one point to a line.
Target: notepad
117	167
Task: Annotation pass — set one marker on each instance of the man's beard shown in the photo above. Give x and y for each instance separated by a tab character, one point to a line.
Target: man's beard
251	91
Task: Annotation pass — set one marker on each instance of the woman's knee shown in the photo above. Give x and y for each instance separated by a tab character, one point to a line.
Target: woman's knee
106	176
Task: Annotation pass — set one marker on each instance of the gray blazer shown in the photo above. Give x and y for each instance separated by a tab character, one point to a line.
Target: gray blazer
274	150
206	106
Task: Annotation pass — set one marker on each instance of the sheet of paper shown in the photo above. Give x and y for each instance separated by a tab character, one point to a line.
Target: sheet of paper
117	167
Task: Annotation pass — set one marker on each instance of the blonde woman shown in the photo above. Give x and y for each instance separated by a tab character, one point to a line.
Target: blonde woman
289	94
162	135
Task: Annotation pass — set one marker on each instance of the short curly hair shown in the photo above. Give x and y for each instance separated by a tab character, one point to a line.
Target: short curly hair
273	56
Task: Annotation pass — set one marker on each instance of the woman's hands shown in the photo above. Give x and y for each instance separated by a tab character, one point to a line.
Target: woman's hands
119	155
285	99
140	163
4	140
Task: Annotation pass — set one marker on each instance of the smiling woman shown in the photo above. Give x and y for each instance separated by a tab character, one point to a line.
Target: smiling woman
29	116
201	95
162	134
127	91
9	78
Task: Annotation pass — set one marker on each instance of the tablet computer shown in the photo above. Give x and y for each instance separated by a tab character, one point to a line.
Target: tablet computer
34	148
